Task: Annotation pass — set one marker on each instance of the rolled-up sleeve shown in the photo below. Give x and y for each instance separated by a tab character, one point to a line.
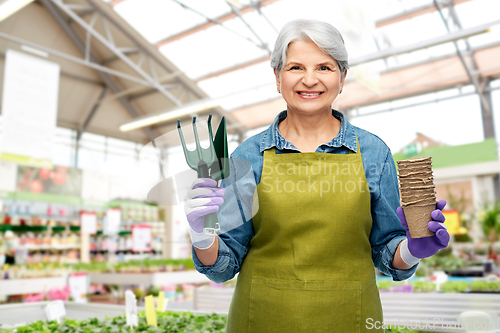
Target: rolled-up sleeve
387	231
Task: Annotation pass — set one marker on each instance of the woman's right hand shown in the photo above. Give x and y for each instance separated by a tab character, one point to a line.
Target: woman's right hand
203	198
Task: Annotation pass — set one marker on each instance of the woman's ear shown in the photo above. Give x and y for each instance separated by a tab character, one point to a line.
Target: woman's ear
278	81
342	79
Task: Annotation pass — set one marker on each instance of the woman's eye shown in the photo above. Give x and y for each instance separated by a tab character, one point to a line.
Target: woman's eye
293	68
325	68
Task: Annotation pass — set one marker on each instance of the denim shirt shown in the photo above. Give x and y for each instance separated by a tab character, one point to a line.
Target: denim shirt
235	215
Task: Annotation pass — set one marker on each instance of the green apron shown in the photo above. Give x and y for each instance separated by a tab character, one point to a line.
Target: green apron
309	266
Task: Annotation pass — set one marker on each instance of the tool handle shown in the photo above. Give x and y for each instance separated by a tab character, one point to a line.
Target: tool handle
211	222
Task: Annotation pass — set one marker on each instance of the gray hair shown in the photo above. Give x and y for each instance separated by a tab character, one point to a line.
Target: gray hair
323	34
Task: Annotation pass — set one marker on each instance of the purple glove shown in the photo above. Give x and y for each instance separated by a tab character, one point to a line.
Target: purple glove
427	246
203	198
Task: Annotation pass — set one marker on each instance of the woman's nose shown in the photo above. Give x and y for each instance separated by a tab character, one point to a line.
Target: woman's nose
309	79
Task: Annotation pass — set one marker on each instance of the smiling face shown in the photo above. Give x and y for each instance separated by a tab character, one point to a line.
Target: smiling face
310	80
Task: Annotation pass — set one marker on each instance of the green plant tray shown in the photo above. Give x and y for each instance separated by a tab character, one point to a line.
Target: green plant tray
5	227
37	228
58	229
19	228
74	228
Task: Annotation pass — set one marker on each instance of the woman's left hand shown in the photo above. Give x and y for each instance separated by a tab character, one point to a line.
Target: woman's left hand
428	246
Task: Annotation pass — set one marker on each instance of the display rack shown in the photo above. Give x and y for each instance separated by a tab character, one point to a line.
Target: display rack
148	279
30	286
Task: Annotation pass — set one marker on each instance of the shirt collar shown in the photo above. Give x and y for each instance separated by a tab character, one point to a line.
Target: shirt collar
273	138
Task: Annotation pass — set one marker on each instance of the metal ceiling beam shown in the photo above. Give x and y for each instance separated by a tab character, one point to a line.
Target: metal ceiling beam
485	105
452	36
110	45
479	83
221	19
141	47
91	115
72	76
263	45
441	57
108	80
258	9
131	51
382	54
234	68
79	61
408	14
435	100
152	91
209	19
151	51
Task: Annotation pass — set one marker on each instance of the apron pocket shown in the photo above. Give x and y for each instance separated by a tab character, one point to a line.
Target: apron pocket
281	305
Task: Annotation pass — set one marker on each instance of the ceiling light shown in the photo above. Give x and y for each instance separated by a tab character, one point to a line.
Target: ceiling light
9	7
172	114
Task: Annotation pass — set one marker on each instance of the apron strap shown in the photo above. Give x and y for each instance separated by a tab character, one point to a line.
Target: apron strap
357	144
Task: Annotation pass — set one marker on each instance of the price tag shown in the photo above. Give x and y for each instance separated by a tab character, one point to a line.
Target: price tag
150	311
131	308
113	219
55	310
141	238
21	255
88	222
78	284
161	302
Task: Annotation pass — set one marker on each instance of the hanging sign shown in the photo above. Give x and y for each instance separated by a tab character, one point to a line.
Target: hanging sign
141	238
8	175
112	221
88	223
29	109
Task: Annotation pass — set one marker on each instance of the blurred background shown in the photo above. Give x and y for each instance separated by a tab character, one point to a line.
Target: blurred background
91	91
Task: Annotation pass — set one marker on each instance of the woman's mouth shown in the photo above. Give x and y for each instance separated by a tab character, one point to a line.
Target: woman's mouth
309	94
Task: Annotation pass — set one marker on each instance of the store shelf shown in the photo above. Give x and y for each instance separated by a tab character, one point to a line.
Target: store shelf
148	279
52	247
30	286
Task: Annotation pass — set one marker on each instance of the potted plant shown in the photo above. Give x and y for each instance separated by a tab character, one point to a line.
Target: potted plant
491	227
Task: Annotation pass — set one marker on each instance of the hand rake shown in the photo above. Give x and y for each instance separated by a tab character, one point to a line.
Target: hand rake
213	158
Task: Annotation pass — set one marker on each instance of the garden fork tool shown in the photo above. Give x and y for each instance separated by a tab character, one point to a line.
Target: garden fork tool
213	158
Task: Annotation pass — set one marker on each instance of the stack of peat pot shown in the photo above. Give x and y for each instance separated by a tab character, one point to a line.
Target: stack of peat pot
418	196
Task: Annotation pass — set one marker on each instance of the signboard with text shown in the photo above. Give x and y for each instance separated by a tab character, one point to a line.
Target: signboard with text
29	109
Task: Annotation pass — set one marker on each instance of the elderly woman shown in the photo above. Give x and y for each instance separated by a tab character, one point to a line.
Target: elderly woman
327	206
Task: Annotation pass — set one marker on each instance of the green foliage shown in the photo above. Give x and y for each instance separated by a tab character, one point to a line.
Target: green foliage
491	220
423	286
454	287
485	286
168	322
444	262
385	284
